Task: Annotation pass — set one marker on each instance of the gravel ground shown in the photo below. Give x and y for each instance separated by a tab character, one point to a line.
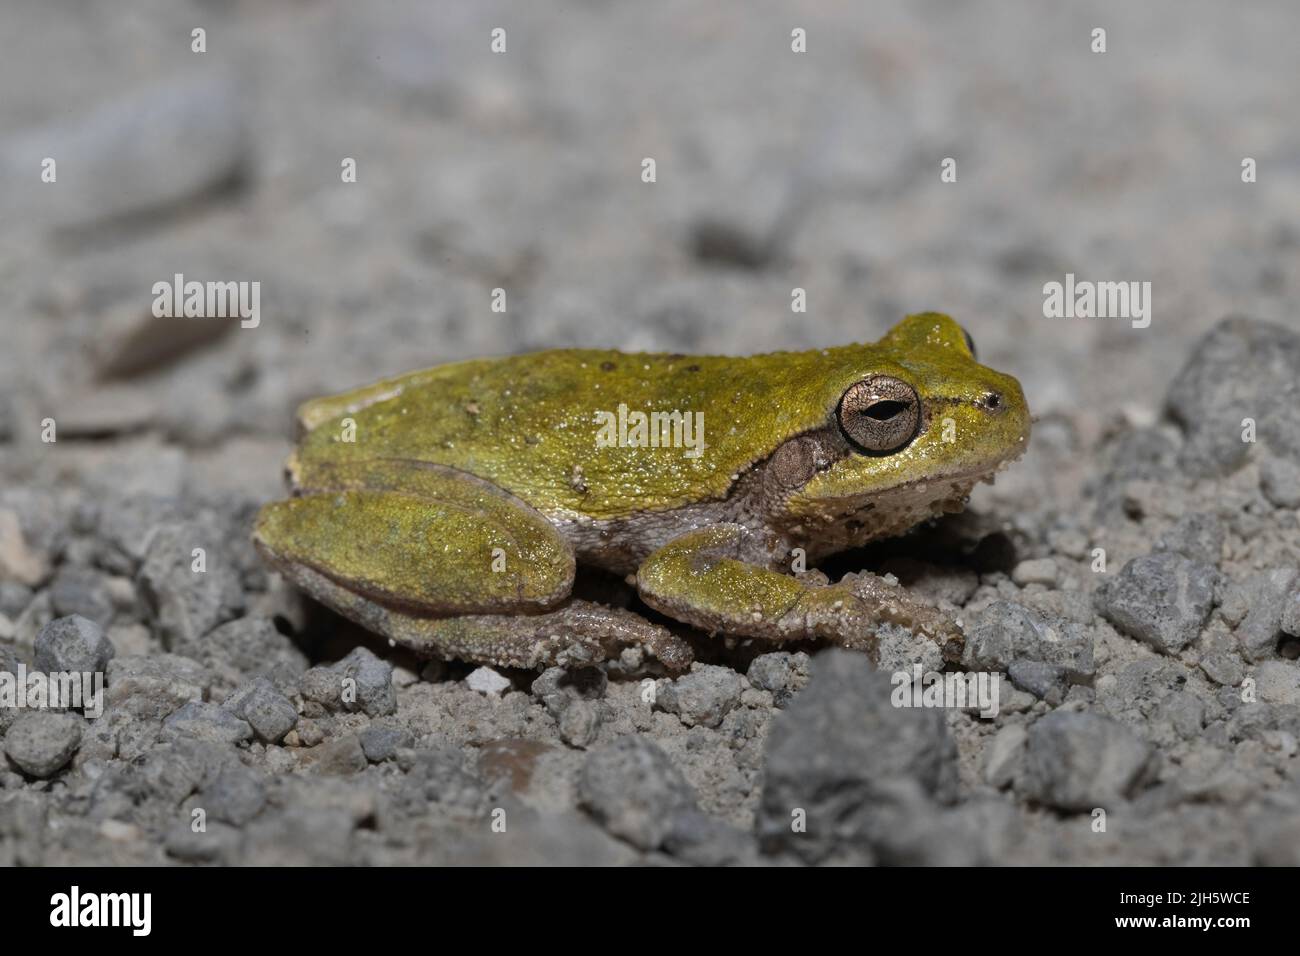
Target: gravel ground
1135	578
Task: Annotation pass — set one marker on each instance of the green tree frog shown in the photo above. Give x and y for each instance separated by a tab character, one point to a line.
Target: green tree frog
447	509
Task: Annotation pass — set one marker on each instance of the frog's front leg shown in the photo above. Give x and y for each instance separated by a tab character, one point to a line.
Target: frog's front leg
448	565
703	579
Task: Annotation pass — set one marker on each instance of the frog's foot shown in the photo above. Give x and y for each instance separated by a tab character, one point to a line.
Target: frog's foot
574	634
577	634
700	579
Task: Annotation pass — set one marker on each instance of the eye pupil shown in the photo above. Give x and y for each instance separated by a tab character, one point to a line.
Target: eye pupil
884	411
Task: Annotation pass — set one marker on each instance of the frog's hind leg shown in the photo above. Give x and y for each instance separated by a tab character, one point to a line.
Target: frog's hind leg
447	564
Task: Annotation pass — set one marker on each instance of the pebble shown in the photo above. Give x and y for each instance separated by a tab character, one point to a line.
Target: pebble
210	722
557	687
1198	537
185	604
703	697
580	723
41	743
375	695
844	759
1279	480
1268	596
1242	368
14	598
1004	756
19	562
1277	682
236	796
341	757
252	645
84	592
633	789
1162	599
154	686
487	681
1036	571
72	644
382	743
1006	632
782	673
268	712
1079	761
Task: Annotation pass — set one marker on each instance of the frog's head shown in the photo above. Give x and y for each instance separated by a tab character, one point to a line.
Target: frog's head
914	423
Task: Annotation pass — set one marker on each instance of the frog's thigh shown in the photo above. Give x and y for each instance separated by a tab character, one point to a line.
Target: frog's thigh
411	537
699	578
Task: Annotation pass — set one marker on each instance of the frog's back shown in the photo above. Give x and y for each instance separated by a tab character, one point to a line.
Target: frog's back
530	423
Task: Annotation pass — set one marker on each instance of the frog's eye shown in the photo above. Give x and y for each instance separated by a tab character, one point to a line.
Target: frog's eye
880	414
970	344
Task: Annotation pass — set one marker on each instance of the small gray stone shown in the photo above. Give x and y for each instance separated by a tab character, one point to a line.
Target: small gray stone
1269	593
1080	761
702	697
1036	571
382	743
1162	599
487	681
1004	756
1279	480
154	686
436	777
1291	615
846	761
72	644
236	796
186	604
209	722
181	765
217	843
375	695
1185	713
82	591
14	598
268	712
1198	537
252	645
1005	632
339	757
1223	668
1278	682
557	687
634	790
324	685
782	673
1241	369
1045	681
41	743
698	838
580	723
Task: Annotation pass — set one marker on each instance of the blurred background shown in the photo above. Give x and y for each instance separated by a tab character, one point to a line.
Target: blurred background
522	170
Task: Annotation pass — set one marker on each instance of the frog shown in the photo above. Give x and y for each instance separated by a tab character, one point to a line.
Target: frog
449	509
